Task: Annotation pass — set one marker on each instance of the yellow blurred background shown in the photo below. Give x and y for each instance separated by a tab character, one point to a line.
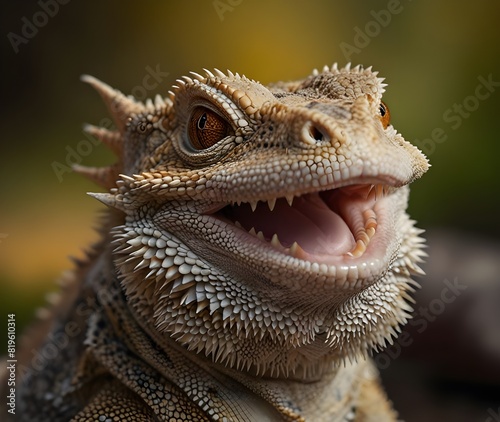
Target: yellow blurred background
434	55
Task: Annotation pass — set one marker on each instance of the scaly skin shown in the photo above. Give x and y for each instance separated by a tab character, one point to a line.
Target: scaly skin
256	250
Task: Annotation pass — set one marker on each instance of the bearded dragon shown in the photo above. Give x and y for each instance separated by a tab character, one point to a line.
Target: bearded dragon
256	250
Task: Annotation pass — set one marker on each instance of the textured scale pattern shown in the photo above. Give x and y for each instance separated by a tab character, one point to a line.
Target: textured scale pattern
256	250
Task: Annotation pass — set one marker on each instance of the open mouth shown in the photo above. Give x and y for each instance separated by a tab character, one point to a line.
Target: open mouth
317	227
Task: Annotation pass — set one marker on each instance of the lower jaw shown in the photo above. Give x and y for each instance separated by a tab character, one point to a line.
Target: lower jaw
367	245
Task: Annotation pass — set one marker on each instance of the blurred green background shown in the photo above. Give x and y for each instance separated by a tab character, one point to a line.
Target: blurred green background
432	54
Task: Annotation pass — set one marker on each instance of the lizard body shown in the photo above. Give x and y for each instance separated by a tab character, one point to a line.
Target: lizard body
255	251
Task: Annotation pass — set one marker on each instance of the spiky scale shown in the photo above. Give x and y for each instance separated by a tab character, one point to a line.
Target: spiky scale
103	176
110	138
119	106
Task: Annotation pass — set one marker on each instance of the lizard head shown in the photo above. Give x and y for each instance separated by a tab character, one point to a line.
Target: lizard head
265	226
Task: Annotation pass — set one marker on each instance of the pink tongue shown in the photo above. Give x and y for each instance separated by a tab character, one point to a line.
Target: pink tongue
309	222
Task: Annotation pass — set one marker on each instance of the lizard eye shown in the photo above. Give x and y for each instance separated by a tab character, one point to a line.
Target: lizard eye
385	115
206	128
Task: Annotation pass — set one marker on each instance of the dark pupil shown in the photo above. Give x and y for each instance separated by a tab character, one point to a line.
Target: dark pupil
382	110
202	121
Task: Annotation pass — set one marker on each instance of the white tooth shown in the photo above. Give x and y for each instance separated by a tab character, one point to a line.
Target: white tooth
370	191
253	205
289	199
238	203
260	235
352	275
358	250
369	213
275	241
271	203
296	251
364	236
370	221
238	224
252	231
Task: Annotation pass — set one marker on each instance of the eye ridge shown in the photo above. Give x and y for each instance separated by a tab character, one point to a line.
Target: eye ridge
206	128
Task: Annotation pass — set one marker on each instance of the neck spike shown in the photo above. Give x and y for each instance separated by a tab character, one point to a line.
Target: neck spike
103	176
119	106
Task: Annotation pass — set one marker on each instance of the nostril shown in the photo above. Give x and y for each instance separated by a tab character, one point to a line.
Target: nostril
313	134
